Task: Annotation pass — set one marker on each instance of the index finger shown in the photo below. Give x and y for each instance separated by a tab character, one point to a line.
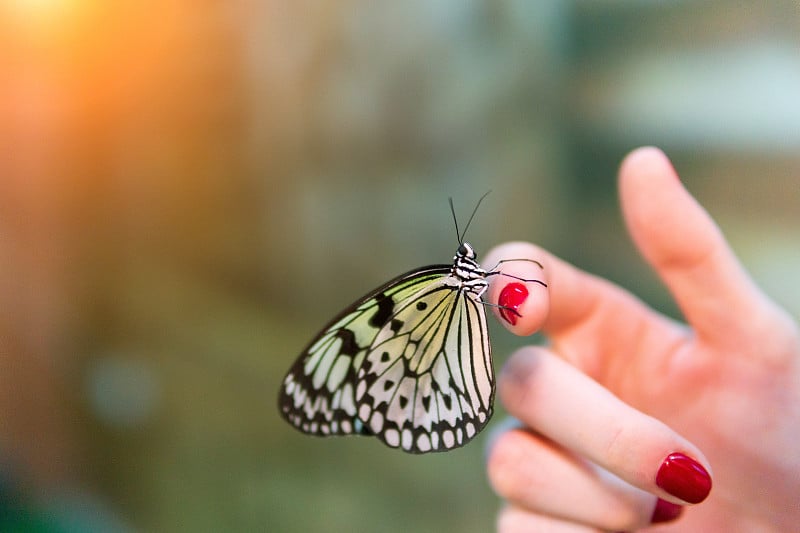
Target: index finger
580	305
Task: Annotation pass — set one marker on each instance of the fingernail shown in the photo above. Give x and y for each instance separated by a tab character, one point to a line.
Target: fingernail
684	478
511	298
665	511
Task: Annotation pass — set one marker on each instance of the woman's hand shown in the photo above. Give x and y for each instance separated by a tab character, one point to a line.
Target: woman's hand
627	415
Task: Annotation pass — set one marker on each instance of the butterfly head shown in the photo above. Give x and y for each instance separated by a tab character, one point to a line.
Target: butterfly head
465	249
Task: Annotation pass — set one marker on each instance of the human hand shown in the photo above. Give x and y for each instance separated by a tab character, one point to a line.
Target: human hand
621	387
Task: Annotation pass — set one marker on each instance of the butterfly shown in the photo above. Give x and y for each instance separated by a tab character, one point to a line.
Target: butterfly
409	363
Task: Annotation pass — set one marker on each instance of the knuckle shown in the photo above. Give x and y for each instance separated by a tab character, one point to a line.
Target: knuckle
516	383
616	447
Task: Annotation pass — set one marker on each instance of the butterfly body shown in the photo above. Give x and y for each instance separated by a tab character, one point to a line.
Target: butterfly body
409	363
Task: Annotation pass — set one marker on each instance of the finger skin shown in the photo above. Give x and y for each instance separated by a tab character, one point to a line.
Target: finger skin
536	474
556	399
515	520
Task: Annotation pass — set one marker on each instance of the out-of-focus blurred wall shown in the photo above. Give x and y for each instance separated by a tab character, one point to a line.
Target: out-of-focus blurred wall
712	83
189	189
373	115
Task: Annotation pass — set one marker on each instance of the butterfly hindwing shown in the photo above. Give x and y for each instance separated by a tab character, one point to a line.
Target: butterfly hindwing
427	382
318	392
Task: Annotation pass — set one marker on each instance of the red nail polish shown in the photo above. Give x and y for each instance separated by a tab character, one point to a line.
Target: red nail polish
665	511
511	298
684	478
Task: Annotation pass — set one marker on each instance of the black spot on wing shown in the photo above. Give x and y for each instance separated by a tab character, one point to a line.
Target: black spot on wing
348	338
396	325
320	412
421	306
383	312
426	403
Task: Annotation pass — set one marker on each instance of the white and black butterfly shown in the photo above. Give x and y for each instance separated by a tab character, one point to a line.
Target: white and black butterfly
409	363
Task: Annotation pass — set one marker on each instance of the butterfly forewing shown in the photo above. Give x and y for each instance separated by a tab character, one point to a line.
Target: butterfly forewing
318	393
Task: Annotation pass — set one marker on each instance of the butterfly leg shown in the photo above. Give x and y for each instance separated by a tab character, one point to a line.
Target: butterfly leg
510	260
510	309
494	272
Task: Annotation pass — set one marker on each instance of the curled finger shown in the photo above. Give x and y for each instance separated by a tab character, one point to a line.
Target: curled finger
513	519
537	475
557	400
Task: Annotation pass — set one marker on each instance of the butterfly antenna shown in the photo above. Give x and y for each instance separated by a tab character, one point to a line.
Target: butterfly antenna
461	236
455	220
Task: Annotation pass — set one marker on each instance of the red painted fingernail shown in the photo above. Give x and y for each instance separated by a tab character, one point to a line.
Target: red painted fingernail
684	478
665	511
511	298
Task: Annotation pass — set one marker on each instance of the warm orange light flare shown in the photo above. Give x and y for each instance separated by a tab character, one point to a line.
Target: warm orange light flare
39	14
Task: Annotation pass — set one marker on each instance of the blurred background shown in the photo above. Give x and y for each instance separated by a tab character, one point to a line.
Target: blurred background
190	189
